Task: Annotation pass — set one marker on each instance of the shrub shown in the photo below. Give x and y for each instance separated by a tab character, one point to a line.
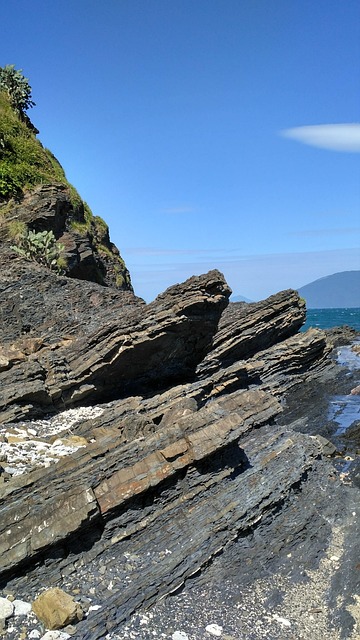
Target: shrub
17	87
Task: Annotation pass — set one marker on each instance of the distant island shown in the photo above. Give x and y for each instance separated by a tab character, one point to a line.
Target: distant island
338	291
240	299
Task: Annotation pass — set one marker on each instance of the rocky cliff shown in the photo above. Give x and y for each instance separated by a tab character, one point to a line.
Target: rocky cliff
184	455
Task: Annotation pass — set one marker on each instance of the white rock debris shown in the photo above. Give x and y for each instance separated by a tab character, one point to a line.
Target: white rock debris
179	635
214	629
28	445
6	609
283	621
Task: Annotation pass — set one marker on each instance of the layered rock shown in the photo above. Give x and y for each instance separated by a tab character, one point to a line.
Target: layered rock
88	254
186	455
118	347
246	329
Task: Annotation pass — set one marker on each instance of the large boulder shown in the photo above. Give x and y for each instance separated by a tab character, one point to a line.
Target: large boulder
56	609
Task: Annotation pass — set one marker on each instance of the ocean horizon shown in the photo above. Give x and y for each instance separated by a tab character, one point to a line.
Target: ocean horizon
329	318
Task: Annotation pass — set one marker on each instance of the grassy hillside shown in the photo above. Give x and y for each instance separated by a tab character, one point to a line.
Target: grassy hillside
24	162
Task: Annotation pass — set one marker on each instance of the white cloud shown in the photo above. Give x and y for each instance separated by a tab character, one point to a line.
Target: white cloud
336	137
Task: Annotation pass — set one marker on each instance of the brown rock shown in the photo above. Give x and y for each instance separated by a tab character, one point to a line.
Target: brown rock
56	609
355	391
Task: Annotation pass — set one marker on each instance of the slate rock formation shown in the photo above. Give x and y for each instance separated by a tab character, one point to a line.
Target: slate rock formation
186	455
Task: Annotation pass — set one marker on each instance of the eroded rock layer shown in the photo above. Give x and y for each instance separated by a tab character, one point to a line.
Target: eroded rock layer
185	453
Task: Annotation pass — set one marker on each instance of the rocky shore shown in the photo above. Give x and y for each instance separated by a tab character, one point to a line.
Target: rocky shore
168	466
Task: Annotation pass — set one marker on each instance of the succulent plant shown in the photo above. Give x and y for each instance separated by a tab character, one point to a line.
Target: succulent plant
40	247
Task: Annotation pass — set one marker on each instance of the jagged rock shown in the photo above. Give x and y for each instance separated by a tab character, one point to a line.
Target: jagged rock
91	491
339	336
327	447
40	308
56	609
192	513
184	457
120	345
89	253
246	329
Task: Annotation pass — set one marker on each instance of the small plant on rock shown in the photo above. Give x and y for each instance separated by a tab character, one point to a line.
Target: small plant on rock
40	247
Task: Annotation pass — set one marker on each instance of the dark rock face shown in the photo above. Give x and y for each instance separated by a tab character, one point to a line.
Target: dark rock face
246	329
121	344
88	251
339	336
191	454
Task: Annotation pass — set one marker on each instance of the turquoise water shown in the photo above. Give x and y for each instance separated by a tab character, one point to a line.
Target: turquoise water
328	318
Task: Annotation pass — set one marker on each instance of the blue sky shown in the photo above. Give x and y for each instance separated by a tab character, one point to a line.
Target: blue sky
205	132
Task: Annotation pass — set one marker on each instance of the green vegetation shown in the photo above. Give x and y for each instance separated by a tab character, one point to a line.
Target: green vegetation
80	227
15	229
17	87
40	247
23	160
25	164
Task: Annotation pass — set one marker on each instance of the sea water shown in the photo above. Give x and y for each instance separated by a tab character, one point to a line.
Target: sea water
344	409
328	318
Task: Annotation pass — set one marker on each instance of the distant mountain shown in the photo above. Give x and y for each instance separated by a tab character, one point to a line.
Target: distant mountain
239	299
340	290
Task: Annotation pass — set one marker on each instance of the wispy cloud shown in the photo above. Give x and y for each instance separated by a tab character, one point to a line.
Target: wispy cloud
254	276
309	233
335	137
154	251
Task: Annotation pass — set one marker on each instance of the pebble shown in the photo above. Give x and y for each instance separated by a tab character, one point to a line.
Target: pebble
21	608
283	621
214	629
55	635
70	629
180	635
6	609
